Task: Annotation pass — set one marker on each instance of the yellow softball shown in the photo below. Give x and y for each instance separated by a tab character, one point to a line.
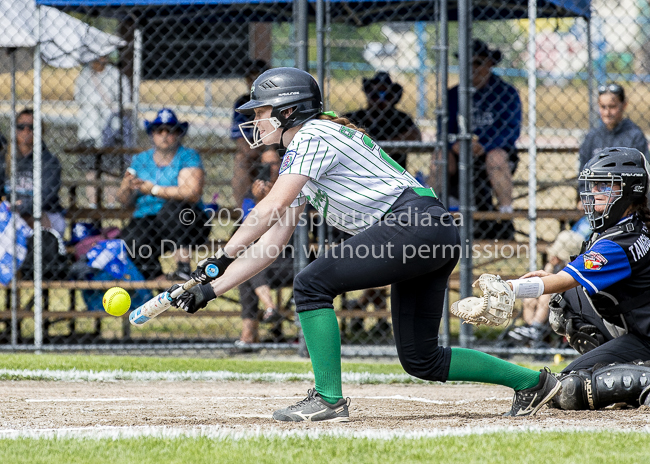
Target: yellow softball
116	301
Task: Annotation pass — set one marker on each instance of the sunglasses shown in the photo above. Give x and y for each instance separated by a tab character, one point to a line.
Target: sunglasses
170	129
22	127
602	187
612	88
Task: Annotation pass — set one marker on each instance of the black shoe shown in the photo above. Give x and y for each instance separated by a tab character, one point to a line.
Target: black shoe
271	316
527	402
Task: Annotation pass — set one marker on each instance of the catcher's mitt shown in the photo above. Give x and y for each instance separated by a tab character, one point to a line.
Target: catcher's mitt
493	308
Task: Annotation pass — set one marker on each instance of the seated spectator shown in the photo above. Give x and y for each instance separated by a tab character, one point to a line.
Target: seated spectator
380	119
165	184
614	129
279	274
246	158
535	311
496	125
52	217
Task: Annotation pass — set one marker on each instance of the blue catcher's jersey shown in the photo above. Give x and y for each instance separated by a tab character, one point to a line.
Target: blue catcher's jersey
618	261
616	267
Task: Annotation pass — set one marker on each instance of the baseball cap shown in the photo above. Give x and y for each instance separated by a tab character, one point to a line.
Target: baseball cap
392	92
483	50
166	117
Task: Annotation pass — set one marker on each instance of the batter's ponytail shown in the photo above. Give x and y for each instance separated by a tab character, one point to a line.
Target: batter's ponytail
330	116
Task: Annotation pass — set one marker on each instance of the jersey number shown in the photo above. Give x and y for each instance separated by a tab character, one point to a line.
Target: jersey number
370	146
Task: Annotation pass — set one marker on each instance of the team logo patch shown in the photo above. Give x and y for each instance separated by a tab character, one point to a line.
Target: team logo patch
594	261
287	160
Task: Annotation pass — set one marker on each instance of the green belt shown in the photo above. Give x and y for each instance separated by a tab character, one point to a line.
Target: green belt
420	191
425	192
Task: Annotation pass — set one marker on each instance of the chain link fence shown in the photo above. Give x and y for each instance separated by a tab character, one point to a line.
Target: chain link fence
144	170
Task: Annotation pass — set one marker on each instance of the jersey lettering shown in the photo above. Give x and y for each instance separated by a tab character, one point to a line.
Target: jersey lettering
320	201
346	131
393	164
640	248
367	141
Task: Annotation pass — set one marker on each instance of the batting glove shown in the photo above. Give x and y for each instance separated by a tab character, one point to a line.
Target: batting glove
211	268
193	299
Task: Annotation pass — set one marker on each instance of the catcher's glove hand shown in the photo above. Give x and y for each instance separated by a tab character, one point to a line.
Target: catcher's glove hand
493	308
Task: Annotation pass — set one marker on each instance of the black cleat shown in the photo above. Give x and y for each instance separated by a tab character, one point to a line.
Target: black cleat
527	402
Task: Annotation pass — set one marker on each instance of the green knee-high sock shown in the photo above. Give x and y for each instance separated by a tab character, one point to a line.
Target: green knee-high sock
480	367
321	330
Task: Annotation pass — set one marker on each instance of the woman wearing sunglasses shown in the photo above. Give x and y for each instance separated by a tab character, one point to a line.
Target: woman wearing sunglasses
615	129
165	185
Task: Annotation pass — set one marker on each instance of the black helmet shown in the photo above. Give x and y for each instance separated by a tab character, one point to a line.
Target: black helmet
620	174
284	88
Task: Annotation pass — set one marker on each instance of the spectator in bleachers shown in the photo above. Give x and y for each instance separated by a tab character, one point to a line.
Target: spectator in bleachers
615	130
97	92
246	158
496	125
165	184
279	274
381	120
52	217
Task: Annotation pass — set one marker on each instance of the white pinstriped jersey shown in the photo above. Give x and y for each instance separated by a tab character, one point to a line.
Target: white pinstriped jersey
352	181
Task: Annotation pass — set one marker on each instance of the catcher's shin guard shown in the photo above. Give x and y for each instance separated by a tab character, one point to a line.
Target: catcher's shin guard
614	383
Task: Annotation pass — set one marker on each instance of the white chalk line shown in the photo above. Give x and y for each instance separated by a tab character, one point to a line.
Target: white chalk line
73	375
262	398
82	400
217	432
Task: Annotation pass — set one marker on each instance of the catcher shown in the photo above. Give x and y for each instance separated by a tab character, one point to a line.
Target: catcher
602	297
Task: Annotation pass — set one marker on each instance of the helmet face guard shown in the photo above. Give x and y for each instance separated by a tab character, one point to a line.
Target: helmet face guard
282	89
608	189
619	178
255	140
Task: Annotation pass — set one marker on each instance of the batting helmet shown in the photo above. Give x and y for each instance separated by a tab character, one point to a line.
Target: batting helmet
283	89
621	175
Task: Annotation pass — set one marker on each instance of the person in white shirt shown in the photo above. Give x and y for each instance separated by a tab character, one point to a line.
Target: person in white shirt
97	92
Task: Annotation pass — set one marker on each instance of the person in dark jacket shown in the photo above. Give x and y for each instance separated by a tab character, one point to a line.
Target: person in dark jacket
51	176
615	130
496	126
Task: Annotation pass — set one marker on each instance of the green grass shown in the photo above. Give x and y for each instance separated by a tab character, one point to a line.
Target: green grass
528	447
164	364
159	364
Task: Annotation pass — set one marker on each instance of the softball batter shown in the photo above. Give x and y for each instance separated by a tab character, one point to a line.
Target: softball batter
402	236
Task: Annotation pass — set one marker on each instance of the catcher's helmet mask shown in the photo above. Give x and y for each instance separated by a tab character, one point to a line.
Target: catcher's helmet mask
282	89
624	171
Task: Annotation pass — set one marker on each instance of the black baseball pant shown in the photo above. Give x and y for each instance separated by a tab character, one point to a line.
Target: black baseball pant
415	248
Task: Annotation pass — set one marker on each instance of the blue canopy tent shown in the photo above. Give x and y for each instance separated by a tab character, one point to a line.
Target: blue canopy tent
357	12
361	13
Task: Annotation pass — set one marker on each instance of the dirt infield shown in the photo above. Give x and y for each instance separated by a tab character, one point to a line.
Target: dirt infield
242	406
